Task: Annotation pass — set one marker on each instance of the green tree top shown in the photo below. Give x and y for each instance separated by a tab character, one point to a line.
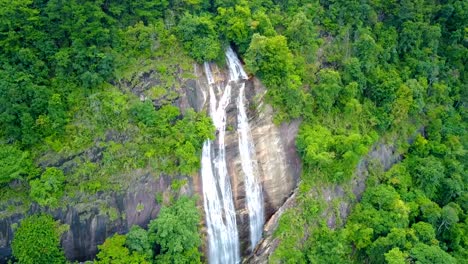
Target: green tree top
37	241
113	251
176	232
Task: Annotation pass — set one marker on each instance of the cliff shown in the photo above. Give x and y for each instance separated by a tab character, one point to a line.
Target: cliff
339	199
92	218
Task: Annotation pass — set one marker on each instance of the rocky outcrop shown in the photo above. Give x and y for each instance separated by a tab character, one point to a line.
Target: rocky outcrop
339	199
268	244
92	219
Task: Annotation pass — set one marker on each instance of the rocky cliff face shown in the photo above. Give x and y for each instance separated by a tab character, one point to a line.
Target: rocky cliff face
278	163
93	218
382	156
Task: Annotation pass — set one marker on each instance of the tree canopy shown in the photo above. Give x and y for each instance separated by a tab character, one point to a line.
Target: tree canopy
89	94
37	240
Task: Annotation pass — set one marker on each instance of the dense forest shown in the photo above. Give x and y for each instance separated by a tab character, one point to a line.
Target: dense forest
354	72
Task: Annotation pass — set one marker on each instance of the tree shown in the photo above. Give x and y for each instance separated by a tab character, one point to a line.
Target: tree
430	211
328	246
113	251
382	210
402	104
313	143
352	72
327	90
17	21
395	256
49	188
235	22
401	238
301	34
137	241
261	24
367	50
427	173
37	241
270	59
199	36
176	232
14	164
425	233
448	218
424	254
383	85
146	10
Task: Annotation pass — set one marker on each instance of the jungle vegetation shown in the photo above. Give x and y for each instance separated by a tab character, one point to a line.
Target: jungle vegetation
354	72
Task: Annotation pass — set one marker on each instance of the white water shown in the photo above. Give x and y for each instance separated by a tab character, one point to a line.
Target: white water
209	75
253	189
236	72
223	238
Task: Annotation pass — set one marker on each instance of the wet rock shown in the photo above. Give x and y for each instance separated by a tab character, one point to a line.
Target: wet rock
277	159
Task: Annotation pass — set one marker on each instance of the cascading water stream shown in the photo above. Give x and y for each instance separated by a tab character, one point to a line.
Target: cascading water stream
223	238
253	190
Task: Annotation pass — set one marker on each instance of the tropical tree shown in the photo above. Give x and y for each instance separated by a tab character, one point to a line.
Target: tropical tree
113	251
176	232
37	241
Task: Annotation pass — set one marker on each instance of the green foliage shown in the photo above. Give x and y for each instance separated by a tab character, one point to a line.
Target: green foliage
425	233
37	240
328	246
302	34
405	223
129	12
319	149
290	230
180	140
176	232
49	188
199	36
236	21
114	251
384	66
348	69
395	256
14	164
173	237
270	59
327	90
428	173
425	254
137	240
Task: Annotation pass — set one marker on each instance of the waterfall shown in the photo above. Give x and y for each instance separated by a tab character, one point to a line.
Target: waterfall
223	238
253	190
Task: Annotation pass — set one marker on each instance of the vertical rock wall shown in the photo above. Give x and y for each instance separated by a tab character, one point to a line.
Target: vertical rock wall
91	221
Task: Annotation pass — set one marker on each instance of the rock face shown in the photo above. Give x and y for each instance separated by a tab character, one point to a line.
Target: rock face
382	156
278	163
93	218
